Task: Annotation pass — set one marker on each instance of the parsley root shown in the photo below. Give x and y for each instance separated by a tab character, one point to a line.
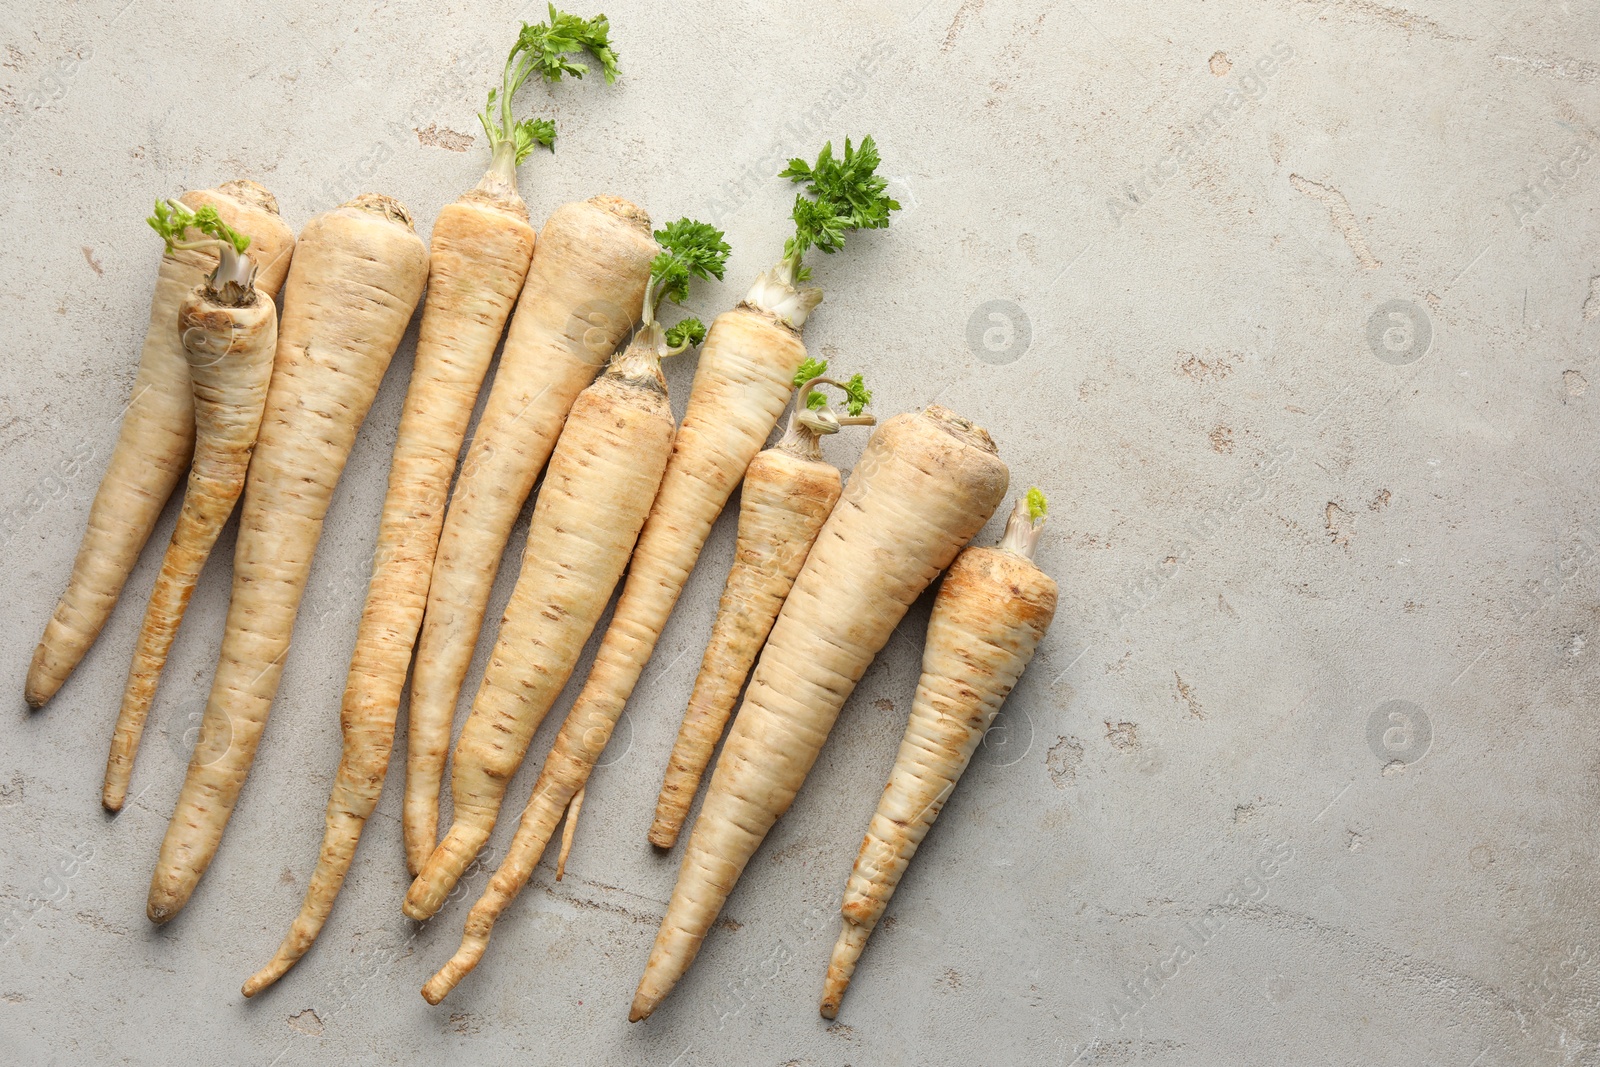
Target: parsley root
584	292
357	276
743	383
157	435
924	486
228	331
991	612
787	494
478	258
603	475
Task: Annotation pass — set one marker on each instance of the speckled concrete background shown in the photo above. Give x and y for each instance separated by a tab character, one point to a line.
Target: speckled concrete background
1292	308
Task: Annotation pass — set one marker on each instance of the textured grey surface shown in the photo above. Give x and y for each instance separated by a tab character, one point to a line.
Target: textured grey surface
1275	512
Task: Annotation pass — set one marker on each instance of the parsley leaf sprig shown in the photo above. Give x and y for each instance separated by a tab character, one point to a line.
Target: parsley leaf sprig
172	219
689	249
544	48
809	368
845	193
856	395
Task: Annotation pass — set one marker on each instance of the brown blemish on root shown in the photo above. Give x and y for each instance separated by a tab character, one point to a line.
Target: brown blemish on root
383	206
248	192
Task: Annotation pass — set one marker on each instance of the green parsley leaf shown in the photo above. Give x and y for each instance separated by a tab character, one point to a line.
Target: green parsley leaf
172	219
846	194
689	249
809	369
686	333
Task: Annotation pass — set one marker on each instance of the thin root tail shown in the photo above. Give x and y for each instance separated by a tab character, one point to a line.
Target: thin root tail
846	951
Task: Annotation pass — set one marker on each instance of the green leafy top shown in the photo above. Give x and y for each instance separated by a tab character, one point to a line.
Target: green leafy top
689	249
1036	504
172	219
856	394
544	48
847	195
809	369
547	45
685	333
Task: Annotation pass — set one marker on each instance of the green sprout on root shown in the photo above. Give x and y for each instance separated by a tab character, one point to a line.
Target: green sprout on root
233	281
856	395
689	249
543	48
1036	505
173	219
809	369
845	193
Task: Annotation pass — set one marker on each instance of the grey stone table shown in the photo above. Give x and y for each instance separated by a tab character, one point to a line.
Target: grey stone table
1292	308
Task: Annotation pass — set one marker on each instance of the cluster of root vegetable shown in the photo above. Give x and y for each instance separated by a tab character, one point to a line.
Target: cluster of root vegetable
252	406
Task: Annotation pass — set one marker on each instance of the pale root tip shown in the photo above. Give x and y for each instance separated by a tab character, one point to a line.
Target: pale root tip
663	838
842	966
423	901
435	990
113	799
41	684
158	912
263	978
638	1013
443	871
